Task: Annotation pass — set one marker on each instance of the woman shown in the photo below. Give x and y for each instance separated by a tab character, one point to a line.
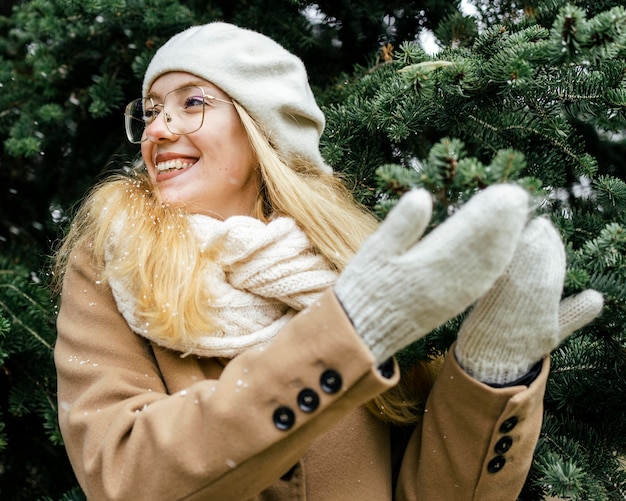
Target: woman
227	327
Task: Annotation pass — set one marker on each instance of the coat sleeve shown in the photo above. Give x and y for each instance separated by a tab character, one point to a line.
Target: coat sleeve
226	438
475	442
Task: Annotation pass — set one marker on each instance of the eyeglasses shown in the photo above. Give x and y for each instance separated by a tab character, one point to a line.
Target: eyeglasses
183	111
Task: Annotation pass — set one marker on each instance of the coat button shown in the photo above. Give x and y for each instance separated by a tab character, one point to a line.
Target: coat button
503	445
509	424
386	369
284	418
308	400
330	381
496	464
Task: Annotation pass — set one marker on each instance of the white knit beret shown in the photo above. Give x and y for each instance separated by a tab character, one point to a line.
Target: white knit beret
267	80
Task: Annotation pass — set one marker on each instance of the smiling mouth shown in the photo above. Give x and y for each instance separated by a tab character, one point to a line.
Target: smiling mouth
173	165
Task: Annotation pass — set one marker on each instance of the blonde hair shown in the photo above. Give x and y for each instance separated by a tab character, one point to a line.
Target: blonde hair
155	233
320	203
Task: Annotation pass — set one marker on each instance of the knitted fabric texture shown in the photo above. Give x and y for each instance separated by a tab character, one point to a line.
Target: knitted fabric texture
522	318
265	273
267	80
400	286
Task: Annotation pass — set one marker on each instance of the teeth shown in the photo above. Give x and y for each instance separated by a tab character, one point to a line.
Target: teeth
172	164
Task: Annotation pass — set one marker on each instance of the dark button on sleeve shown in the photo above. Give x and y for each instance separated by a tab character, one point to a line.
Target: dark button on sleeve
503	445
509	424
386	369
496	464
331	381
308	400
284	418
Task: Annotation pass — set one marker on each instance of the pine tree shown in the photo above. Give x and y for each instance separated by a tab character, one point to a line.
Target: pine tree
532	92
30	442
534	101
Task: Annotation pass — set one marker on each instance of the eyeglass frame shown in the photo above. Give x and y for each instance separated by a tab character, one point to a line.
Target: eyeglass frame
128	117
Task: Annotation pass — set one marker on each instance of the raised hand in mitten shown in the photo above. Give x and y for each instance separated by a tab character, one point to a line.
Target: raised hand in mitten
522	318
398	288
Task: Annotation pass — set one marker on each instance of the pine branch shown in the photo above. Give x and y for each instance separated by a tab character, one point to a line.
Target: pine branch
16	320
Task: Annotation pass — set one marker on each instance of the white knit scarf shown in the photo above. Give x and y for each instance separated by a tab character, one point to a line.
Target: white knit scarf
266	273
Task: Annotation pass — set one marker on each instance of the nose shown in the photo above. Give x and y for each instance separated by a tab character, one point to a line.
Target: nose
157	131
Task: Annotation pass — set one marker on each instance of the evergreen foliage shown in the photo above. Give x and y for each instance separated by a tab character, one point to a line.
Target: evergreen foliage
532	92
544	106
30	441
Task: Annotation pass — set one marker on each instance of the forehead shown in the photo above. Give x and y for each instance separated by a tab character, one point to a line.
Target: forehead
177	79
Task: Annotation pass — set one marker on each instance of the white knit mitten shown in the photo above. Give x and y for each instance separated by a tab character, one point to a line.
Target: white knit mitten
398	288
522	318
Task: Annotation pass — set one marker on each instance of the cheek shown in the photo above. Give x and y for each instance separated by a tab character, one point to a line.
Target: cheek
245	171
245	155
146	152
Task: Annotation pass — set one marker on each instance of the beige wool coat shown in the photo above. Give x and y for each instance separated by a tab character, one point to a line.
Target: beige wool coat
284	422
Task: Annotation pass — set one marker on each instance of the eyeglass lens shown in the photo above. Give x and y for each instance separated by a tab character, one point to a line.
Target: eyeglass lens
183	111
